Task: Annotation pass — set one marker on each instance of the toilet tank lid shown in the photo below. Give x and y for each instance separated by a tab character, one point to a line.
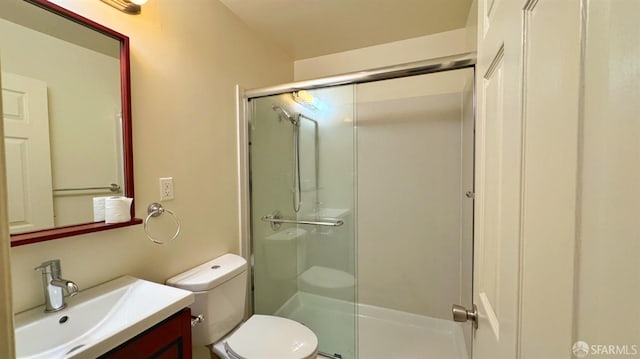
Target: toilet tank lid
210	274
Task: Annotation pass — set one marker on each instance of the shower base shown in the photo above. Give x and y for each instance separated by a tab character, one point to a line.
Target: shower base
382	333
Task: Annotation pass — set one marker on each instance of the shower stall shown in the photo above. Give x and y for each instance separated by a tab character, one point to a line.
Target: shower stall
360	206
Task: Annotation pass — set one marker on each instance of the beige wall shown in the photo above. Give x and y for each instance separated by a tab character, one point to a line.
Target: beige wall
417	49
472	25
185	63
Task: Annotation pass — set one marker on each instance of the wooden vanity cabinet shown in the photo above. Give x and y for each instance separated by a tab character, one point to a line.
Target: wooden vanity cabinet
169	339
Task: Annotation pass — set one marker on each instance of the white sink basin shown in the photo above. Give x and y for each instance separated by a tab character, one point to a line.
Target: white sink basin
97	319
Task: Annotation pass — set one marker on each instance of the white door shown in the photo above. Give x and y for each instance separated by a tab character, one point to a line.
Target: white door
527	87
551	78
26	136
498	178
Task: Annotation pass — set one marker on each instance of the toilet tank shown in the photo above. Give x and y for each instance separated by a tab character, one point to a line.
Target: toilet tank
220	289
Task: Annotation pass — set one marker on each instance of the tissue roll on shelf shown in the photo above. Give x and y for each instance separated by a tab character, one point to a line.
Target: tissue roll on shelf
98	209
117	209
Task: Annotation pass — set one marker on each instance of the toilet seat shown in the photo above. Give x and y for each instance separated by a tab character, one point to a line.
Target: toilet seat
264	336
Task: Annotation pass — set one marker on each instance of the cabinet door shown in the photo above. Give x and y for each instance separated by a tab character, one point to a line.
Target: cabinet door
170	339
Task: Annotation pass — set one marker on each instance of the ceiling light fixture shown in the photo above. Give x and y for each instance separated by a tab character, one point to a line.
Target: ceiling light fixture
127	6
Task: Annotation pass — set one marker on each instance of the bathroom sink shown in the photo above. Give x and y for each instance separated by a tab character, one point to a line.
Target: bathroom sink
97	319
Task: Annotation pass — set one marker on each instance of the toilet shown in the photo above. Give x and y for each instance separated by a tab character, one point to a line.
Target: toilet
220	289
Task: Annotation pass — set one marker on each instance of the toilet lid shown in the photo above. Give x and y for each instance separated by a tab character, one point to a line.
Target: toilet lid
266	337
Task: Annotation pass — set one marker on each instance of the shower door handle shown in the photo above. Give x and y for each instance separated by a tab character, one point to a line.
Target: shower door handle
461	314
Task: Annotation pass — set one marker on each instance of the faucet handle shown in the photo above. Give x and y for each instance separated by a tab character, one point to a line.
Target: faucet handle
51	266
72	288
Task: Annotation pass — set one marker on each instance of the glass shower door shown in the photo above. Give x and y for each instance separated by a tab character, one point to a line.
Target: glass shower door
302	204
415	209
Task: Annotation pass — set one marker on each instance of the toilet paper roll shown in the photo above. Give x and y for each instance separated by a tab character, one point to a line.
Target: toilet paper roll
117	209
98	209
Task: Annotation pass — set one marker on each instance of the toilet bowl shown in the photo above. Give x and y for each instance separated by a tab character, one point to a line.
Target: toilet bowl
220	288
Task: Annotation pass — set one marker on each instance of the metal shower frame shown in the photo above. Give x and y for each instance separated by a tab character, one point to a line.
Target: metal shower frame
440	64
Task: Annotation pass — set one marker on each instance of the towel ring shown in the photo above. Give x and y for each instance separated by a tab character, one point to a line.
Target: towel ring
155	210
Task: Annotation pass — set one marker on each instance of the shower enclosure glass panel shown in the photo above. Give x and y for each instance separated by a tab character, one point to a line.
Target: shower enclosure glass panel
409	173
302	164
415	209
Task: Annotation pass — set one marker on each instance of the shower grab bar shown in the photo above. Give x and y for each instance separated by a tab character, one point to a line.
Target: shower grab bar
113	188
333	223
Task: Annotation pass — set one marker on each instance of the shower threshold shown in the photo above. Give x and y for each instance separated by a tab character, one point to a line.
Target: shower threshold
382	333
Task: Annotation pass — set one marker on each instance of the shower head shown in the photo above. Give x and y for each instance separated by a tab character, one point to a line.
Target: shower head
283	114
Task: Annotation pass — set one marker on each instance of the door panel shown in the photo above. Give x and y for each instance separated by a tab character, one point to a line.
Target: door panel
529	57
498	178
26	123
551	70
489	275
609	203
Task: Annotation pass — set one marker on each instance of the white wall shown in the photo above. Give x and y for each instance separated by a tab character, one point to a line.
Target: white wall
608	237
186	61
331	247
417	49
83	88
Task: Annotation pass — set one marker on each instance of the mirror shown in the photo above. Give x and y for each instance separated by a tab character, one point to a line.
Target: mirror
67	119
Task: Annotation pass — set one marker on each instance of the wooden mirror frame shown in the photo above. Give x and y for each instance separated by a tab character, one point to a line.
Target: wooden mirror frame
127	145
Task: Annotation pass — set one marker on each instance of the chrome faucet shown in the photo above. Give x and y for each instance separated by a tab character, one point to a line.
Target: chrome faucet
54	285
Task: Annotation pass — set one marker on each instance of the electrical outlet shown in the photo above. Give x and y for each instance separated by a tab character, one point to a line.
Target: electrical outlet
166	188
